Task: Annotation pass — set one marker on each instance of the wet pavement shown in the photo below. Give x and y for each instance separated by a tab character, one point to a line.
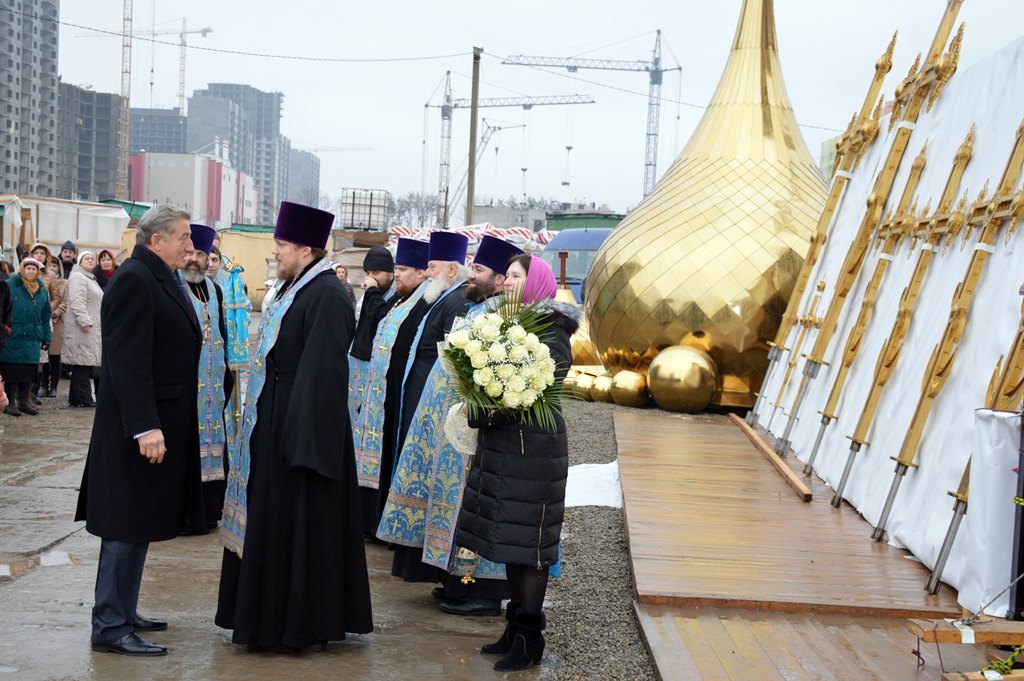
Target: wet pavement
48	569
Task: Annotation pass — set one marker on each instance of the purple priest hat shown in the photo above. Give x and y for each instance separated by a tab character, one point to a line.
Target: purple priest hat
448	247
303	225
412	253
202	237
495	253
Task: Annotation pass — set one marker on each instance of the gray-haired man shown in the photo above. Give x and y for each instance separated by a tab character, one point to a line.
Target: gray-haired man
142	478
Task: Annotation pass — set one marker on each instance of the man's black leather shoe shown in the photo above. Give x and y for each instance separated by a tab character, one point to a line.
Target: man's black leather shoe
471	606
145	624
438	593
131	644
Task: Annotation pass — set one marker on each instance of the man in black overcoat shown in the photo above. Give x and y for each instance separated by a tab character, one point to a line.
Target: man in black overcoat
294	568
142	479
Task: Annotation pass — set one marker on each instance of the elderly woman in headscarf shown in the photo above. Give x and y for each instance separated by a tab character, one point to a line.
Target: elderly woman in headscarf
105	267
82	333
41	253
58	290
30	333
515	494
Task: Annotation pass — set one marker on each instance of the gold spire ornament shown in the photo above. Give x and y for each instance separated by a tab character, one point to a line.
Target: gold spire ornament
710	257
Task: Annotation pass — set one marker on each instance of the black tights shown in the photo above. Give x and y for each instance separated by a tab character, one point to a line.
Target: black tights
51	373
18	392
527	586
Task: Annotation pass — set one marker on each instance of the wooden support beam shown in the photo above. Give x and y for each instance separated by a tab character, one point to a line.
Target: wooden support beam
803	492
991	632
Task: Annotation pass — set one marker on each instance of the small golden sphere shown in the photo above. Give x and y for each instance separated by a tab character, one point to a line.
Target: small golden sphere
629	389
584	382
682	379
601	391
569	385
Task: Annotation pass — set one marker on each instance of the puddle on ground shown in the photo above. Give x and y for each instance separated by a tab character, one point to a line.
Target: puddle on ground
16	568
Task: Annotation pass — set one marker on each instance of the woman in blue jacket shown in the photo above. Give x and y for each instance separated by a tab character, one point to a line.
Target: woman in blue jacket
30	332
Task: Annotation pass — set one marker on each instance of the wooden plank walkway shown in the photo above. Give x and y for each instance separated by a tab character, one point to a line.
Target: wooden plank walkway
726	644
711	523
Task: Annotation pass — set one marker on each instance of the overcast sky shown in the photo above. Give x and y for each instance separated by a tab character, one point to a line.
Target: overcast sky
827	47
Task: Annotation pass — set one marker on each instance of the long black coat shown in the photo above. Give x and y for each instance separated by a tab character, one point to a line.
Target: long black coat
151	345
514	501
302	578
6	313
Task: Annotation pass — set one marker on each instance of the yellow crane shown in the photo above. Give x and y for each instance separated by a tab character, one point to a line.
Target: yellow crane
152	33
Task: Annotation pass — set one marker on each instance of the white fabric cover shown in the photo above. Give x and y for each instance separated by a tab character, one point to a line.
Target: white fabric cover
986	535
990	95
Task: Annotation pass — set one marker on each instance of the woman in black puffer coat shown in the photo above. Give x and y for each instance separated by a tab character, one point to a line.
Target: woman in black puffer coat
514	501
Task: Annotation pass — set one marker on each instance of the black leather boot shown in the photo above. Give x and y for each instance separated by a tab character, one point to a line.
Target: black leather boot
528	645
504	644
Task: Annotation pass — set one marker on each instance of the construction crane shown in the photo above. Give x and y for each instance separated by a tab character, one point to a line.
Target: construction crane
124	114
448	105
653	69
181	33
485	139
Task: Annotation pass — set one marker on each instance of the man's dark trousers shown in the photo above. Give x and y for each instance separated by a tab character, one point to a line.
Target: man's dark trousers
118	581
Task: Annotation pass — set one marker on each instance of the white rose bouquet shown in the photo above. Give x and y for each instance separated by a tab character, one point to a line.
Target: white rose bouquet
498	361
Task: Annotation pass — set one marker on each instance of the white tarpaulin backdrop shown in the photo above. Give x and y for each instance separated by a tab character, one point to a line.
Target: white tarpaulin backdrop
989	95
89	225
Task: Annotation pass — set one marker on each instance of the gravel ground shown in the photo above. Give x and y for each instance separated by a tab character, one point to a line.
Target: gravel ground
593	630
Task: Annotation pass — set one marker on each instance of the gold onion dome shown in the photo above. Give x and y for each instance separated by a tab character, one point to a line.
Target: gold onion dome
710	257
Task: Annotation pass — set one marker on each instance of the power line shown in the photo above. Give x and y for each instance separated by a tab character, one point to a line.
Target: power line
243	53
644	94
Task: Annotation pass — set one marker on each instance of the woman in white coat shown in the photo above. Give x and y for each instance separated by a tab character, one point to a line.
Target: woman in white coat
82	333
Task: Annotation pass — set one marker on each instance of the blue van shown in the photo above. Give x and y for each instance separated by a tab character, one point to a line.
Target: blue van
582	245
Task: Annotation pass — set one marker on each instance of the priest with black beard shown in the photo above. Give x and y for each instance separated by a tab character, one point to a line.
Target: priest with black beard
294	570
215	378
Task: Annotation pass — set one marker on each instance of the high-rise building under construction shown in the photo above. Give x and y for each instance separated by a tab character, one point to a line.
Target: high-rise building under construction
28	96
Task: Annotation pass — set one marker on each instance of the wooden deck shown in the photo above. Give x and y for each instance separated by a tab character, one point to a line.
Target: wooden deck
720	644
711	523
737	578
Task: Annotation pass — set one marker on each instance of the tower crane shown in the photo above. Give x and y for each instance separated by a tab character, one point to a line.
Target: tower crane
181	33
448	105
124	114
654	71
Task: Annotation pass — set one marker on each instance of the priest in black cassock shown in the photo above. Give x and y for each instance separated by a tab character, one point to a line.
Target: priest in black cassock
378	299
447	280
215	378
445	294
294	569
376	425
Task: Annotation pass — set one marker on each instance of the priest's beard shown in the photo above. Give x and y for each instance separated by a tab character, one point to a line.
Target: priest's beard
435	287
192	274
481	290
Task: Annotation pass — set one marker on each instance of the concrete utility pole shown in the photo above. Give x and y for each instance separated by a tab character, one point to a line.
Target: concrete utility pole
471	185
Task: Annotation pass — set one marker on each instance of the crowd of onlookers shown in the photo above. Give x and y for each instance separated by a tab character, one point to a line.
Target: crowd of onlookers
50	326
